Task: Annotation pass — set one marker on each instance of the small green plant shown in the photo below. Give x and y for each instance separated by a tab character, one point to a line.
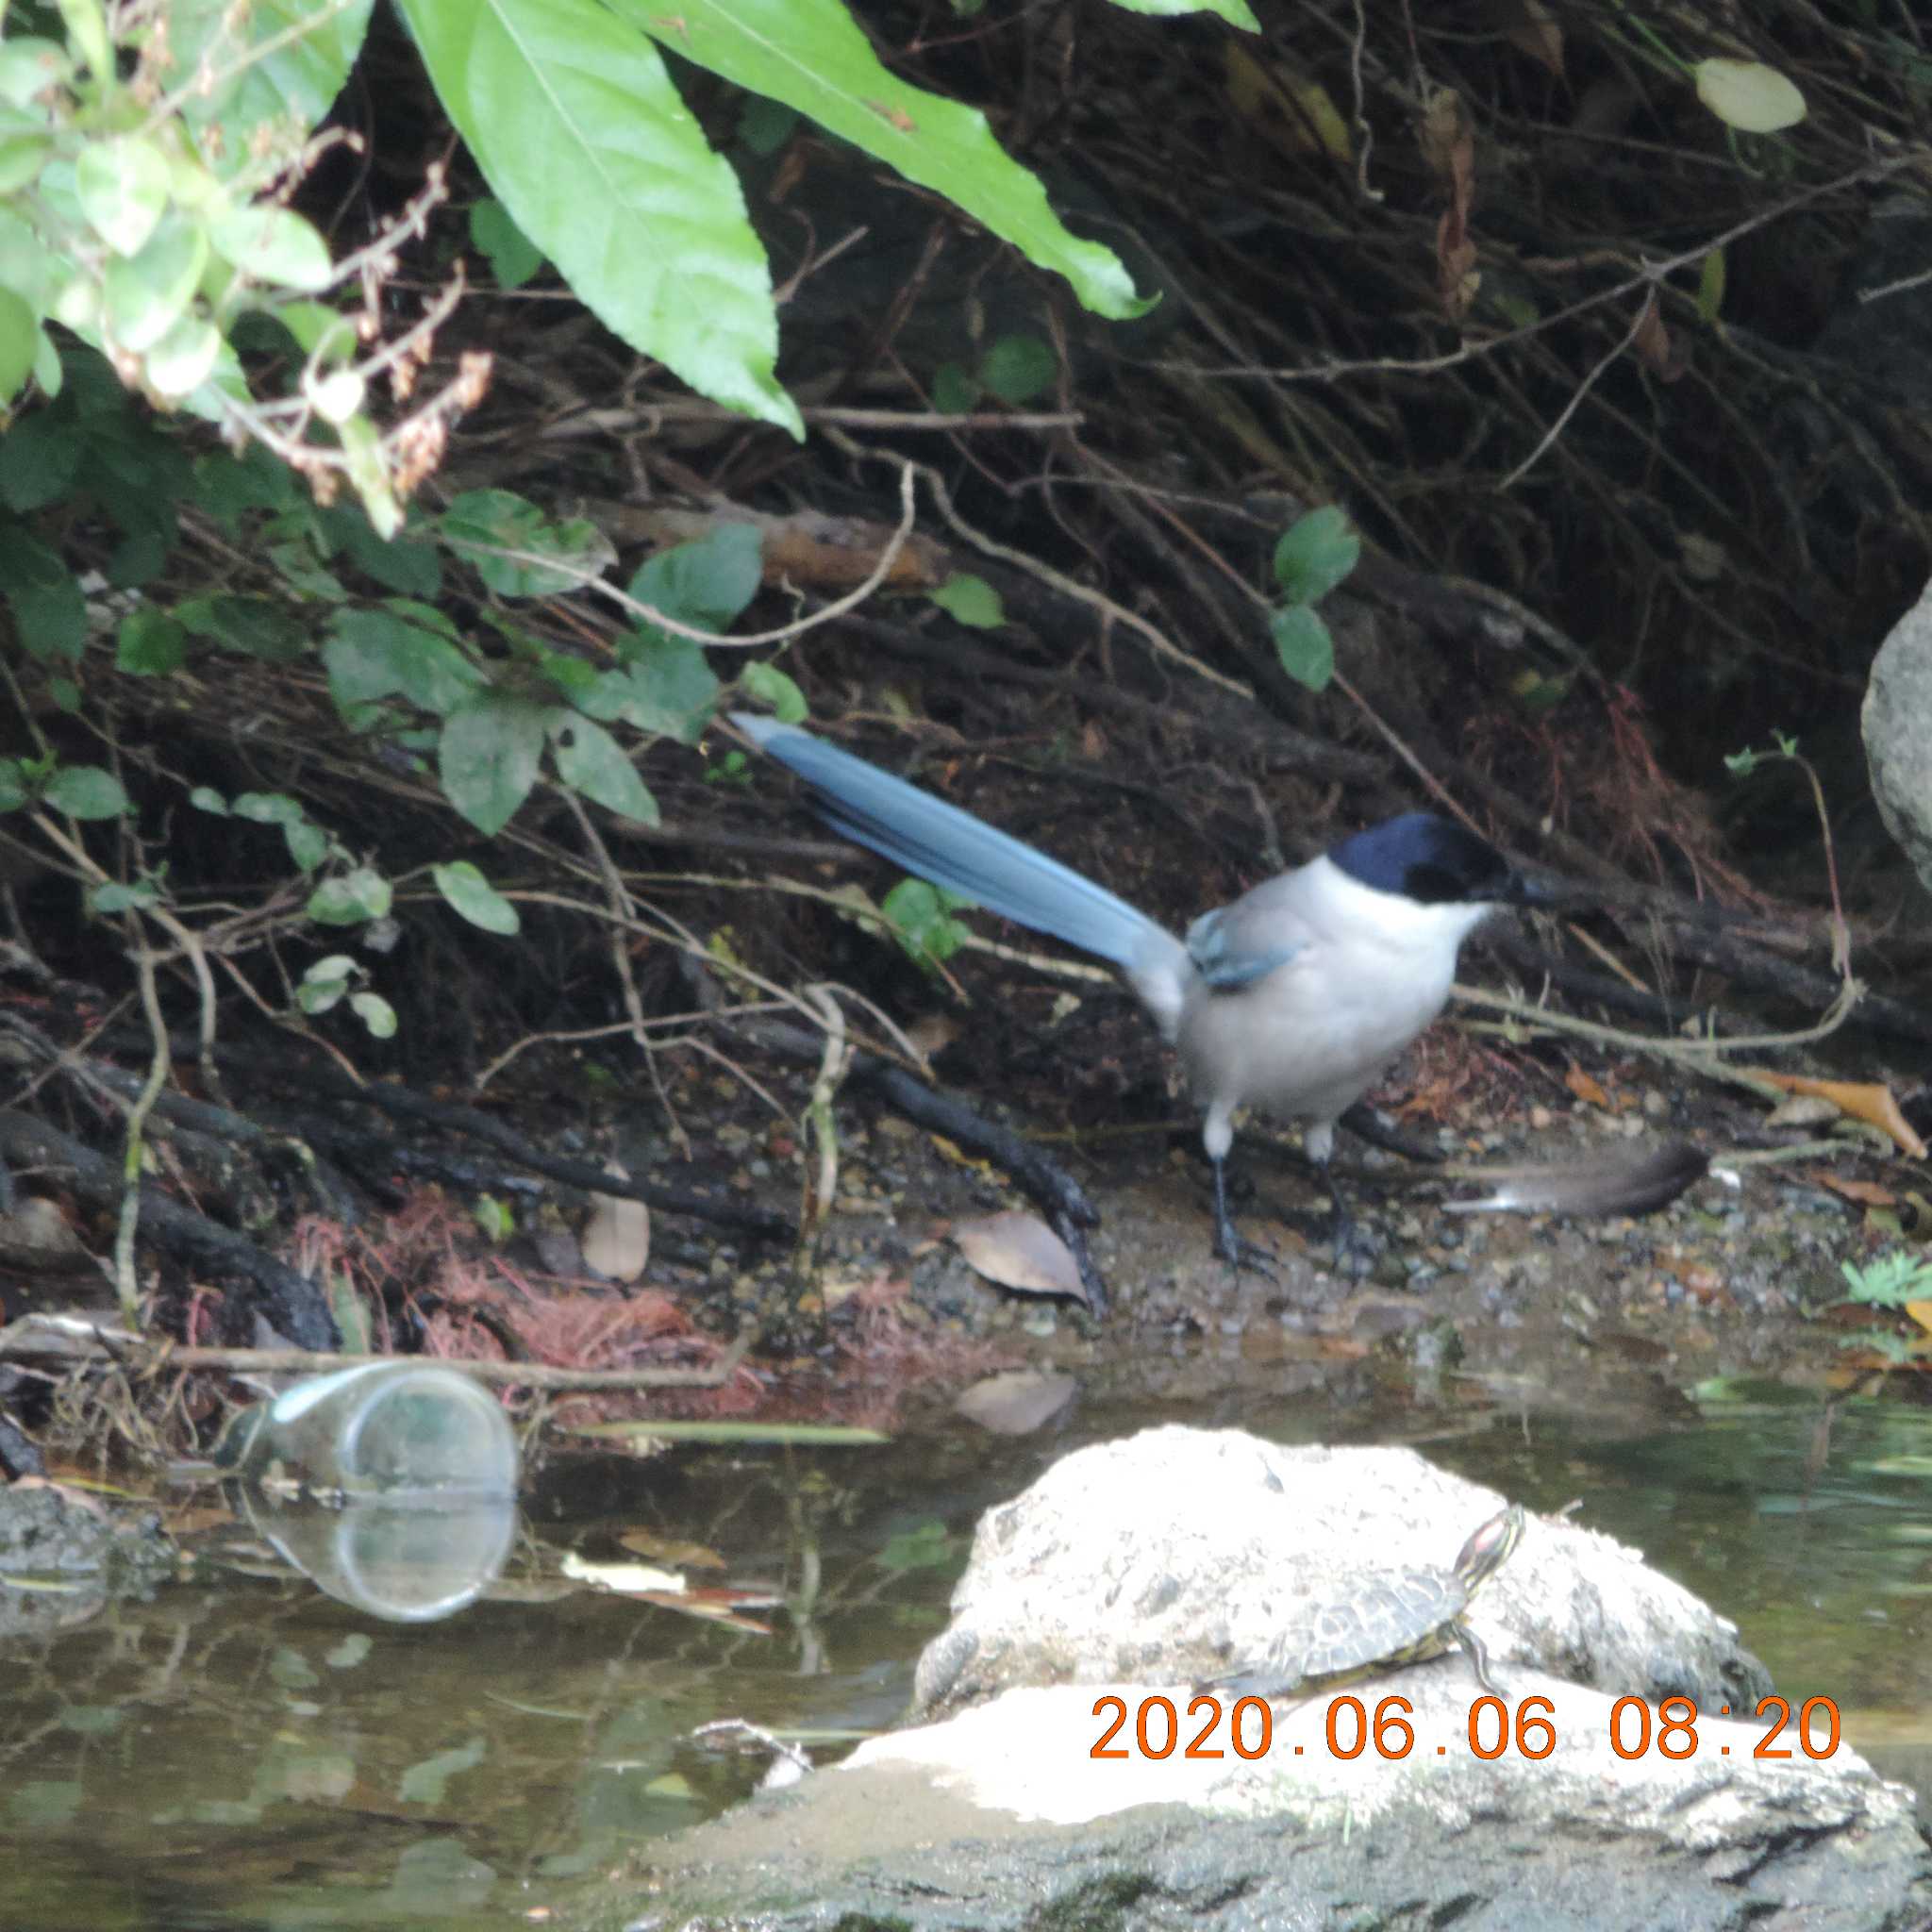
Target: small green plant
1316	552
1895	1278
921	917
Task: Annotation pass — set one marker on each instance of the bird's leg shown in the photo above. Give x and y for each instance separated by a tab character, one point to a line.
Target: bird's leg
1355	1247
1228	1244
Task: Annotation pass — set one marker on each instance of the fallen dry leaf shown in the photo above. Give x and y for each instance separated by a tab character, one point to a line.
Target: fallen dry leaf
1871	1101
617	1237
1586	1087
1020	1251
1868	1194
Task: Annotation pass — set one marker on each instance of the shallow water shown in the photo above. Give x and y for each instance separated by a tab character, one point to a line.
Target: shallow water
245	1752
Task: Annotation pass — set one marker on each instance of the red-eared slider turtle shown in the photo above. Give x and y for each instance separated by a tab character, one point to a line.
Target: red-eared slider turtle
1386	1617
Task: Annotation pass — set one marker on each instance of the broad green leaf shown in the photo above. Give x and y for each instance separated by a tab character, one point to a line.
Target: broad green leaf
257	627
20	337
149	643
580	132
397	563
273	245
21	157
1017	368
123	189
1315	553
351	900
778	689
29	66
1304	646
487	757
971	601
954	392
184	359
15	789
1748	95
667	686
40	455
708	582
86	29
589	761
425	1783
51	619
86	791
474	897
291	84
146	293
372	654
814	56
514	256
116	898
483	523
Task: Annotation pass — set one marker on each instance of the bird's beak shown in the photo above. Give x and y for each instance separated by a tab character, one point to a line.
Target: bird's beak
1521	889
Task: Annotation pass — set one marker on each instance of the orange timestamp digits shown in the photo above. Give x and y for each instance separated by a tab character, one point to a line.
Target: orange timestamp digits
1158	1730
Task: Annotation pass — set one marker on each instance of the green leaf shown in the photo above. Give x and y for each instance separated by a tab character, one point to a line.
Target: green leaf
708	582
1017	368
954	392
1710	286
351	900
86	791
374	653
20	339
920	916
117	898
149	643
122	189
514	256
667	686
401	564
375	1013
275	245
813	55
51	618
971	601
770	686
1234	12
487	757
29	66
15	786
40	457
86	29
309	845
255	626
1315	553
580	132
325	982
765	125
272	64
480	522
269	809
589	761
1748	95
146	293
1304	646
470	893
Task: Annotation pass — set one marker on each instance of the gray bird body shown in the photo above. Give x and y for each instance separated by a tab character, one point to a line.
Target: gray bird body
1292	999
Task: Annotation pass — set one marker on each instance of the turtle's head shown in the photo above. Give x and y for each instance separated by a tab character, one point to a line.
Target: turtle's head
1488	1548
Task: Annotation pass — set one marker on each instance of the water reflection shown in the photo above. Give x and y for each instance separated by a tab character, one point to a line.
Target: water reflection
249	1752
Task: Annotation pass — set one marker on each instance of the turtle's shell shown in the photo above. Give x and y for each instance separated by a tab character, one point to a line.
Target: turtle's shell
1390	1616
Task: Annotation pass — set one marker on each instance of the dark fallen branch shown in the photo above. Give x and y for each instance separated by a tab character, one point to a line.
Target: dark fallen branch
1057	1195
62	1340
289	1300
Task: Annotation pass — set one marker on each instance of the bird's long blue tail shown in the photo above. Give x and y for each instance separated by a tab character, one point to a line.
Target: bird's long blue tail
938	842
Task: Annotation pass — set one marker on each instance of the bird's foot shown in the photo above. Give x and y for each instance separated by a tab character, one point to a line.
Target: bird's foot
1355	1250
1240	1252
